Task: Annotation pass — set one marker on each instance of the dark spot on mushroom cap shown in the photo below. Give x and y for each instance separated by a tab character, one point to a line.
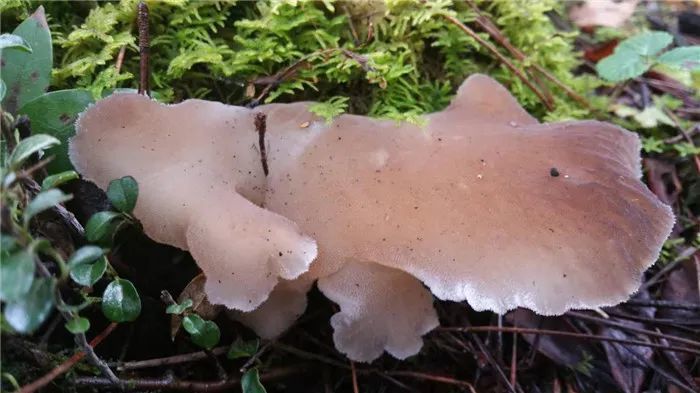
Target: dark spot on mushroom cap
554	172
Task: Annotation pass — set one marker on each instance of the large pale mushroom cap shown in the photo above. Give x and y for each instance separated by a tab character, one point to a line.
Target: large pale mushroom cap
199	174
482	204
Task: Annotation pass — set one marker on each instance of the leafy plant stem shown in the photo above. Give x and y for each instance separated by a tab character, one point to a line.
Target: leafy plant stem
80	339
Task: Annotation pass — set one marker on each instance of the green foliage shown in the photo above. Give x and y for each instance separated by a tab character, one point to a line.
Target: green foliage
329	109
243	348
29	146
203	333
636	55
78	325
28	289
26	74
101	227
178	309
58	179
43	201
122	193
14	41
27	313
121	301
54	114
87	274
411	64
17	275
250	382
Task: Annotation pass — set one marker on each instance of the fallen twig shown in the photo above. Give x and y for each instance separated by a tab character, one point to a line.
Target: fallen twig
68	364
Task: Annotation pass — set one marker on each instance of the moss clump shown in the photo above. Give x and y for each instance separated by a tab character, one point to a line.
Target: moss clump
397	59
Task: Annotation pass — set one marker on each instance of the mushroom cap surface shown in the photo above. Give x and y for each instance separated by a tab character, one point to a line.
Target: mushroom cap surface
200	182
482	204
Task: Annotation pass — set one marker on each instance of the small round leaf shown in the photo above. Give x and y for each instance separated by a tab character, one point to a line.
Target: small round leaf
78	325
26	314
58	179
28	146
8	41
16	275
120	301
179	308
43	201
88	274
123	193
250	382
204	333
100	227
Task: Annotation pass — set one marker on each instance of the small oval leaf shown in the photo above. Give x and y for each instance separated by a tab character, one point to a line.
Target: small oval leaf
11	41
100	227
85	254
43	201
250	382
88	274
54	114
120	301
27	314
123	193
78	325
204	333
16	275
28	146
58	179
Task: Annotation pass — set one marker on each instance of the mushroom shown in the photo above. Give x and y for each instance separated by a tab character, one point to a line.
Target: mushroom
482	204
200	186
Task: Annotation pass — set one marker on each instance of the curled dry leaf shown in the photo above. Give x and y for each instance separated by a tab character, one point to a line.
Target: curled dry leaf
482	204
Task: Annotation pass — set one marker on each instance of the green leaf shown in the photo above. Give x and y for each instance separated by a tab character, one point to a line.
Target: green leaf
203	333
88	274
85	255
243	348
27	75
58	179
621	66
100	227
687	57
250	382
28	146
646	44
26	314
16	275
11	41
78	325
43	201
54	114
179	308
123	193
120	301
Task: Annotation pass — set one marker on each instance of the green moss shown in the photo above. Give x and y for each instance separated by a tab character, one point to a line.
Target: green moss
411	64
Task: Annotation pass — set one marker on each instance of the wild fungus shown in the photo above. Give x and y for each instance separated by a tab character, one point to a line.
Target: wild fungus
482	204
200	178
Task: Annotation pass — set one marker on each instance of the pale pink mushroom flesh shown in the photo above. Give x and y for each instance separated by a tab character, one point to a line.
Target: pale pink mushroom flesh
482	204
